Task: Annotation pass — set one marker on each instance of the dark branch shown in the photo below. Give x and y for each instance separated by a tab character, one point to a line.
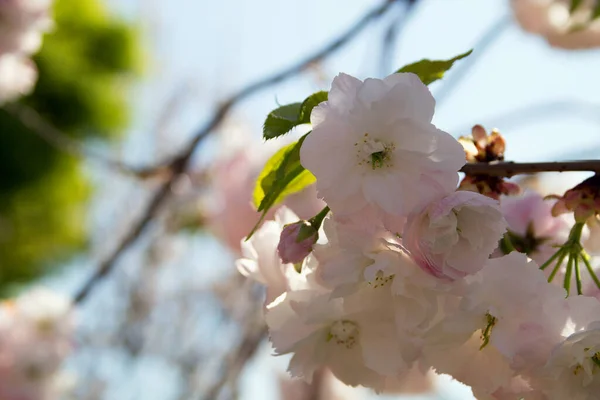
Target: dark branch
390	37
180	163
508	169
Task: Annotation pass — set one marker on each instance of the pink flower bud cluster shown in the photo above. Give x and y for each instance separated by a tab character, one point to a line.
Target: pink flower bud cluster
36	332
483	148
22	24
400	276
583	200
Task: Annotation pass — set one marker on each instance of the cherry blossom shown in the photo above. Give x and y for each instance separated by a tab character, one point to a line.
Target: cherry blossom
553	20
533	228
374	139
455	235
261	261
35	337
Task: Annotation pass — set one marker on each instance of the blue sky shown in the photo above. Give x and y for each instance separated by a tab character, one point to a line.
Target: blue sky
204	50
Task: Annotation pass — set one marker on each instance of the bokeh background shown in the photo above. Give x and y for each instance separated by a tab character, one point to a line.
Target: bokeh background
126	84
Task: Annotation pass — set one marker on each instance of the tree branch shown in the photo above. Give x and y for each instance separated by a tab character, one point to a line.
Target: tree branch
31	119
180	162
508	169
238	359
390	37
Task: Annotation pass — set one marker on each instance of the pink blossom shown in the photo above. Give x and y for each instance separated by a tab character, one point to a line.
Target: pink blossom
553	20
454	236
373	145
534	230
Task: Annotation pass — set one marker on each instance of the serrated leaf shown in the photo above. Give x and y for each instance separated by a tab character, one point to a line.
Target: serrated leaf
575	5
281	120
311	102
282	175
432	70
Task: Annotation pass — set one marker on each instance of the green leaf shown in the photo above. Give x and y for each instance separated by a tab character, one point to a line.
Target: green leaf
596	12
311	102
431	70
282	175
575	5
281	120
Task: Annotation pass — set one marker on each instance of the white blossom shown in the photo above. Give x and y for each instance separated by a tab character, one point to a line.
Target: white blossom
373	146
508	321
35	337
355	337
17	77
454	236
261	262
573	368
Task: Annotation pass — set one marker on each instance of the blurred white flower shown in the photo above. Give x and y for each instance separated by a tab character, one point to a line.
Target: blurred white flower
17	77
552	20
22	24
35	337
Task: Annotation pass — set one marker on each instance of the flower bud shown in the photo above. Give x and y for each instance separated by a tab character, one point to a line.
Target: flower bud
490	186
481	147
583	200
296	241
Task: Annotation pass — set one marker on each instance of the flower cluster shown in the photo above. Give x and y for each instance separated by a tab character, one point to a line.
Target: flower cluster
405	272
35	338
22	24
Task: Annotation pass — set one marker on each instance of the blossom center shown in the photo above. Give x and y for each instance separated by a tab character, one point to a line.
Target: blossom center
373	152
595	359
344	333
487	331
381	280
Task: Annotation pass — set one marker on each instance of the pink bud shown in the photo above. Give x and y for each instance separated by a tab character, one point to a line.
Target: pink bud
296	242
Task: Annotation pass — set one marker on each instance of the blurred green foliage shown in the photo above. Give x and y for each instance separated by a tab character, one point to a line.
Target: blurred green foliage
84	67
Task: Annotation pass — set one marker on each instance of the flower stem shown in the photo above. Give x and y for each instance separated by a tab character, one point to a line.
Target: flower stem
563	254
586	261
577	274
554	256
317	220
567	280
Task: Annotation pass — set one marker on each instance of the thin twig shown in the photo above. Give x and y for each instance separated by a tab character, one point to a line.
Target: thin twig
238	358
390	37
485	42
508	169
180	163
